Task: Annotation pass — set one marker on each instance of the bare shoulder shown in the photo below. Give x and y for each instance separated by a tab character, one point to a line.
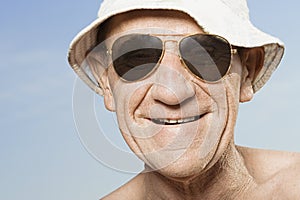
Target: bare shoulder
287	181
263	164
133	190
275	171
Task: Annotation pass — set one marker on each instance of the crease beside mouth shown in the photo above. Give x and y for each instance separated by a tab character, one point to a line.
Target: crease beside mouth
166	121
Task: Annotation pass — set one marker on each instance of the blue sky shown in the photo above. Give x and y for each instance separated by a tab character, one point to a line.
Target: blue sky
40	151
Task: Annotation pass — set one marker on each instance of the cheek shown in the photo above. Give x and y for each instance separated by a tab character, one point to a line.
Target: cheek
233	84
113	78
233	80
128	97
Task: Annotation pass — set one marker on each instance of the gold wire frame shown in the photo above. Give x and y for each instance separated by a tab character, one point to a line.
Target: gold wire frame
159	36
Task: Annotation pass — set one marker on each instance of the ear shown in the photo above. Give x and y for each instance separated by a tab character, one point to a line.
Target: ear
99	68
109	101
252	62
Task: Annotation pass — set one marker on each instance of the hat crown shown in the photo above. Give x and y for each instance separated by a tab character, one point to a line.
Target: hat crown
239	7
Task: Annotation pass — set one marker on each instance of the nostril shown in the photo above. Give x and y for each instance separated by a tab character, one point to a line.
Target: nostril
165	95
171	96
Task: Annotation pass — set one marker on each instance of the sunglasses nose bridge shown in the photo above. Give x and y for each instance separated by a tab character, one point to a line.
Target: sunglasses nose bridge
170	52
171	46
171	57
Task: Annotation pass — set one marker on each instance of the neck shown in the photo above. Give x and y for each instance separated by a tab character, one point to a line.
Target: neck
227	179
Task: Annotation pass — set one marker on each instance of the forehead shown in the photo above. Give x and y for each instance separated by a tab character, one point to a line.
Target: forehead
153	20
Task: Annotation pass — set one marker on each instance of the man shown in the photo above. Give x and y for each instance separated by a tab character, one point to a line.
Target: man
175	72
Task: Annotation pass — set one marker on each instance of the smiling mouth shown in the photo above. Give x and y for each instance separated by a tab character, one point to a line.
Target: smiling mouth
176	121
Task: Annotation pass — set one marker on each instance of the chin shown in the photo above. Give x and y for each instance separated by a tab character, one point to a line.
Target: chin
181	172
187	166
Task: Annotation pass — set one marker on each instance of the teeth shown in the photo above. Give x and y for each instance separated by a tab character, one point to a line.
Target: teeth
174	121
171	121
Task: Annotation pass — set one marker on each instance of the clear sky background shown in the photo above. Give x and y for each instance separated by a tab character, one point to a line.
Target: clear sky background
41	155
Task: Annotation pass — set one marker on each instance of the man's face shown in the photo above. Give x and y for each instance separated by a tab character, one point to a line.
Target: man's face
175	122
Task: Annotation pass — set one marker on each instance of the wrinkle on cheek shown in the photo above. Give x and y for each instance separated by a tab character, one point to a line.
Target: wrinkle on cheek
137	98
211	94
113	80
232	110
202	87
214	139
233	84
133	95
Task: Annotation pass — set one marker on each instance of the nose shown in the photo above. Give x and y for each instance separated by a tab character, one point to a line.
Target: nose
172	86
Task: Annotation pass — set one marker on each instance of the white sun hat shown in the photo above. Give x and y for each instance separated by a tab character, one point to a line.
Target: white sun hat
226	18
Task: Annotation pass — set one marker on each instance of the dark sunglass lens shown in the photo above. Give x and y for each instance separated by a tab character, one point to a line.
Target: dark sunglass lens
207	56
134	56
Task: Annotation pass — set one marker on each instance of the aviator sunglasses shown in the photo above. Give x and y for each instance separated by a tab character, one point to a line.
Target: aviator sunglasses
136	56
